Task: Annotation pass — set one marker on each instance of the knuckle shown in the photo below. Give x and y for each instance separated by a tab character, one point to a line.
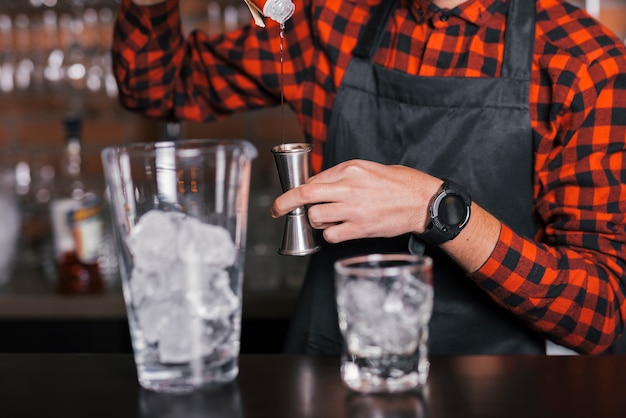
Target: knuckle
314	214
353	165
304	194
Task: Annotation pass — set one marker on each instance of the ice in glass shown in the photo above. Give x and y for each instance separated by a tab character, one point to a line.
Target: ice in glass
384	304
179	210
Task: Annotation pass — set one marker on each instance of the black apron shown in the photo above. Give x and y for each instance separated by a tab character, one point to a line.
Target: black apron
475	131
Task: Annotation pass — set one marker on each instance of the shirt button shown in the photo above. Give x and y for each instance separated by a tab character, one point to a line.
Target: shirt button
444	18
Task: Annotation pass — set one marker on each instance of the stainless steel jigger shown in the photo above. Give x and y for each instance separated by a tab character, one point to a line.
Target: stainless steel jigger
292	162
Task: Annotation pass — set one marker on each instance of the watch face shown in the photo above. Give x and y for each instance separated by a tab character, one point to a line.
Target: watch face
452	210
449	213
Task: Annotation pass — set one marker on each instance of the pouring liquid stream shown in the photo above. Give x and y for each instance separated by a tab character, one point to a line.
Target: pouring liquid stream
282	81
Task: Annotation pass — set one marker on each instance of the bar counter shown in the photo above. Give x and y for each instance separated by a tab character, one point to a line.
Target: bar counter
283	386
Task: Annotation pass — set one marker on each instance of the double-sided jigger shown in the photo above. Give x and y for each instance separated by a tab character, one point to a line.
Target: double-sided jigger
292	162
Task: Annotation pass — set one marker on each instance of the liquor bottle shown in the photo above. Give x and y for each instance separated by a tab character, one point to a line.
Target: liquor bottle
278	10
77	222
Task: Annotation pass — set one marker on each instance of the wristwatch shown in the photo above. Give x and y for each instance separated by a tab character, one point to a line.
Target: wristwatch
449	212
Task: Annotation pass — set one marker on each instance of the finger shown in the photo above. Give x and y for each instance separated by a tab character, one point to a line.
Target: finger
323	215
306	194
288	201
325	225
343	232
330	175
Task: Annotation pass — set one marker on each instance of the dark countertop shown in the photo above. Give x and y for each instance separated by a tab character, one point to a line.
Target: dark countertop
280	386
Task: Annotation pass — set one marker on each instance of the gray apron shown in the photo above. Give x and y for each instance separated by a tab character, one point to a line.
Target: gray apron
475	131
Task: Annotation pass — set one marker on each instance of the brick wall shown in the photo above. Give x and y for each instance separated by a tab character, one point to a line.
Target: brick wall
31	128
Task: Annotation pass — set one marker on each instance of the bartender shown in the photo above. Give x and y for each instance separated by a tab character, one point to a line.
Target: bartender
488	134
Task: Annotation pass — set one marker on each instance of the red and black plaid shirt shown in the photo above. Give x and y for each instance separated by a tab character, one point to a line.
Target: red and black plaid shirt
567	283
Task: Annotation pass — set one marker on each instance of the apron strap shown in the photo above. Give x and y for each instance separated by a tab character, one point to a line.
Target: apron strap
519	40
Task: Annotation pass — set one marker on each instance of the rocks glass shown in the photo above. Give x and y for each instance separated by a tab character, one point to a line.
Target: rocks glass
384	303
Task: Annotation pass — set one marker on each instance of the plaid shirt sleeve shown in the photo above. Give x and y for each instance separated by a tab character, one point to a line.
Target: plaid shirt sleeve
570	286
164	74
568	281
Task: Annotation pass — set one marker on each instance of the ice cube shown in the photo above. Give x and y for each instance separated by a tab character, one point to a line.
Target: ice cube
185	337
180	289
218	300
386	317
364	296
211	244
177	334
157	285
152	318
151	240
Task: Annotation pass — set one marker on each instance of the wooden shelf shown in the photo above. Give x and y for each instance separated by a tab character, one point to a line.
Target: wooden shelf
28	295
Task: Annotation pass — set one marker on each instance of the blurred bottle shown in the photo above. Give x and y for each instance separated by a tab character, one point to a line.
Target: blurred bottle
77	223
25	66
94	62
73	69
53	53
33	178
214	24
8	56
231	18
9	224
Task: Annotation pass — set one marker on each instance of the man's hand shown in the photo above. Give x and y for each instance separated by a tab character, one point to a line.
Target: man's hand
363	199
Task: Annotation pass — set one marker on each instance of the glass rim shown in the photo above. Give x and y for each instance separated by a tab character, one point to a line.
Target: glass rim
355	265
292	147
135	148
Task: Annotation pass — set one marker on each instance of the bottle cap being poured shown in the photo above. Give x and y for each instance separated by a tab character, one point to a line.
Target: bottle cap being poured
278	10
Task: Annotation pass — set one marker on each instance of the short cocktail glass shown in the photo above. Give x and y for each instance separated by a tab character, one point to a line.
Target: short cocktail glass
384	302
